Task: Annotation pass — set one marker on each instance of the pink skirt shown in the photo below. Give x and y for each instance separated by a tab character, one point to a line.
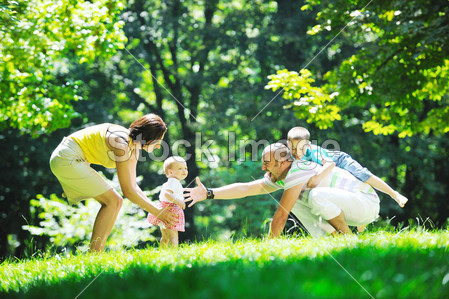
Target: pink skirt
178	226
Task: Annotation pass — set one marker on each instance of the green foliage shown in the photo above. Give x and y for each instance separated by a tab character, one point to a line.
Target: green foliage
391	79
225	219
70	226
214	58
311	103
38	41
204	63
381	265
398	73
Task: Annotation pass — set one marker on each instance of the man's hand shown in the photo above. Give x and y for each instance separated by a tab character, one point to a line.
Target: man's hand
197	194
312	183
169	218
321	175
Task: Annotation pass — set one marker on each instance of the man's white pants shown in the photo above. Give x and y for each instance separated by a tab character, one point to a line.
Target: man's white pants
325	203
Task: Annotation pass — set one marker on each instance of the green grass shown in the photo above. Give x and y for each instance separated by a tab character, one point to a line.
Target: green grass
386	265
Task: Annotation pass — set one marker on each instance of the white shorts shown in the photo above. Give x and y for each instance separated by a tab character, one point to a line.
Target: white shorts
318	205
78	180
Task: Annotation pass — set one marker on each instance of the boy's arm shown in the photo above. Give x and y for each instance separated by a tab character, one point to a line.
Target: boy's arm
174	199
321	174
232	191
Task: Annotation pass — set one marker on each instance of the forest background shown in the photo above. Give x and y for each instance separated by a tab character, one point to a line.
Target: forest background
370	75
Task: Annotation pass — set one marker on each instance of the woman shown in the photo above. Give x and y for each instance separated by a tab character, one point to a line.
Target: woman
112	146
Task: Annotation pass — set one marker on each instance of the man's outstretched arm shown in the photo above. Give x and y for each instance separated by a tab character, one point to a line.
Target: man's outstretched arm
232	191
286	204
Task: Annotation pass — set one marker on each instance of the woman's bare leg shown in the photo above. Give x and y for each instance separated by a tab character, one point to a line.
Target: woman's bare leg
111	202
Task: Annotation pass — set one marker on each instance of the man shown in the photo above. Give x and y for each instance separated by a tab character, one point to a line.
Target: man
338	200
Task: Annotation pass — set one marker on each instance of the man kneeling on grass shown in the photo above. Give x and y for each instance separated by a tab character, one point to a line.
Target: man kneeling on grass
338	200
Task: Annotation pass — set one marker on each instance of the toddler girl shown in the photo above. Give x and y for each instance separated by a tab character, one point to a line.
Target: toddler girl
171	198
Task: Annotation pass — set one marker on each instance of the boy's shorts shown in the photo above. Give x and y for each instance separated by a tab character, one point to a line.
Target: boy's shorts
346	162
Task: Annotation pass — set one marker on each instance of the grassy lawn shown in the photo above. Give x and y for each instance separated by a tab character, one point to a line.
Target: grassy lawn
380	265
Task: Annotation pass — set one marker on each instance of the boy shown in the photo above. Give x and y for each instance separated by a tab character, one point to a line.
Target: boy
299	144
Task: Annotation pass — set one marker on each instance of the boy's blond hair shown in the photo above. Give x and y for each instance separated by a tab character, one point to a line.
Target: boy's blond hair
169	162
298	133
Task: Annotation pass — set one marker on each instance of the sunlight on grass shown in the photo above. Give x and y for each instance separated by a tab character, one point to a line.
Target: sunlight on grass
381	262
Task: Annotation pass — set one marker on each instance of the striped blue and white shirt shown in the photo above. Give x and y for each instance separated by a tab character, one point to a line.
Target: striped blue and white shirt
301	171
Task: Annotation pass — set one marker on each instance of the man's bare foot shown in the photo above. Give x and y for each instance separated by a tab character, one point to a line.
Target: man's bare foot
361	228
339	223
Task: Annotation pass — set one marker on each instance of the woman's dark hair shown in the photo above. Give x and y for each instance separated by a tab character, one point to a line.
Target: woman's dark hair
148	128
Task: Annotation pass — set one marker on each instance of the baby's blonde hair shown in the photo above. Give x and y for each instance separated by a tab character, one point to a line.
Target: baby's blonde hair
169	162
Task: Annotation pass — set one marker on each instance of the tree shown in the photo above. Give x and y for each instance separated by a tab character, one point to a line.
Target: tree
224	51
199	65
39	38
398	74
392	79
202	67
41	41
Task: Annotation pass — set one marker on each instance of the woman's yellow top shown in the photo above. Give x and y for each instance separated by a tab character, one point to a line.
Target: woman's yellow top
92	141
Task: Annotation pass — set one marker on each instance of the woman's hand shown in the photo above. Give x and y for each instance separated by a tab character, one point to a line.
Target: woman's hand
197	194
181	204
169	218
